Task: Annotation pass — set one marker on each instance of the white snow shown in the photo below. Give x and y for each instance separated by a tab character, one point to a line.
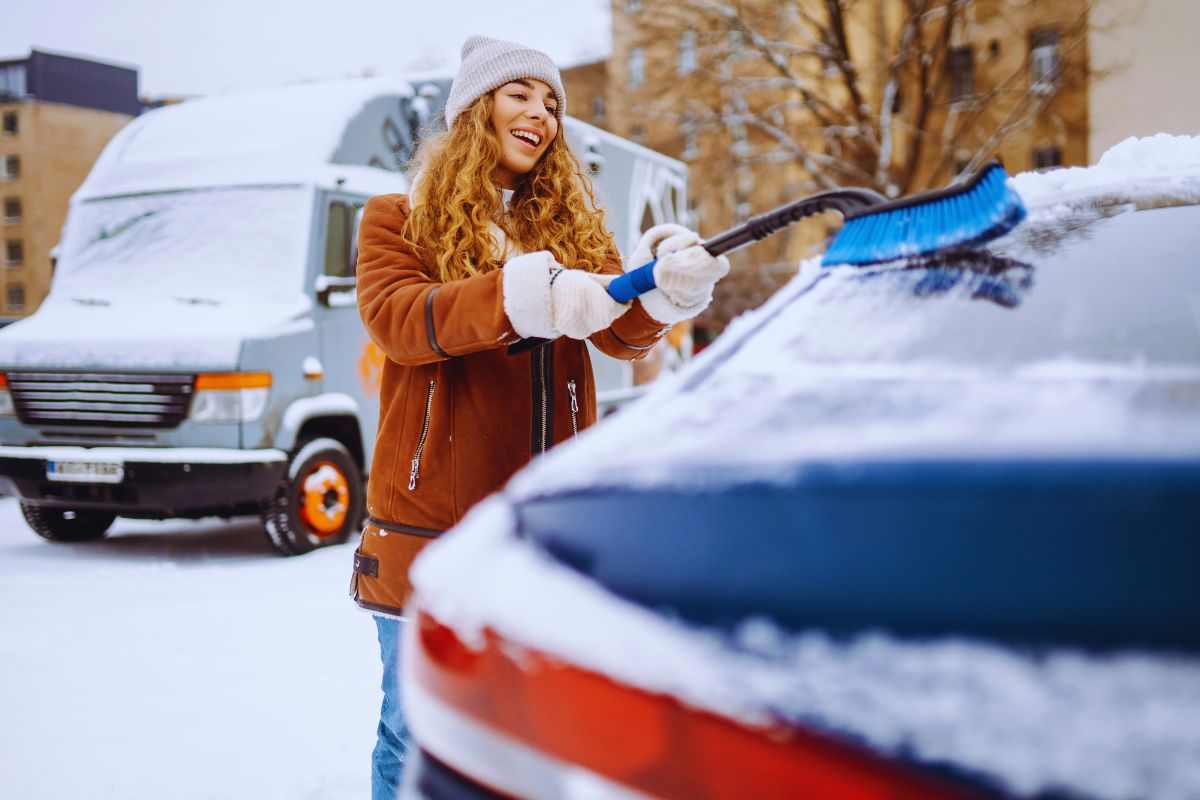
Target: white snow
1136	170
268	136
777	403
1108	726
181	660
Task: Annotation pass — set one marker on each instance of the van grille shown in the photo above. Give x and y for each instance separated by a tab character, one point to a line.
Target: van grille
128	400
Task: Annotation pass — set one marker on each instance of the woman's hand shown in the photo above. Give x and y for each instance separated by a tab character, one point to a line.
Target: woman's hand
580	303
545	300
685	272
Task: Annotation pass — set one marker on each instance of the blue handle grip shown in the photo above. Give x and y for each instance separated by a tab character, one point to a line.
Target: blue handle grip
632	284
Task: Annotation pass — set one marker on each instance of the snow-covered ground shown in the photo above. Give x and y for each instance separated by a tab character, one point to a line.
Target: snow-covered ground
181	660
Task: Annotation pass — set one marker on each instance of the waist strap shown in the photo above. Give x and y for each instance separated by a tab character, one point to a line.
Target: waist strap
396	527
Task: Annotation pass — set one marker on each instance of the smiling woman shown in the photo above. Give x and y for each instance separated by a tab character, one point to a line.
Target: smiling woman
499	239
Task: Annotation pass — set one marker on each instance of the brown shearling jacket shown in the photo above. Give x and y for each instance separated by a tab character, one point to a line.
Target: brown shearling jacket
458	415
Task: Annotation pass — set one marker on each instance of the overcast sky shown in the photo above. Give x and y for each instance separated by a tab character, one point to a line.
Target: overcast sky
212	46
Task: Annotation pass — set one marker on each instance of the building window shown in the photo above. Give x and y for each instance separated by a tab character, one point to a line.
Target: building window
633	6
12	210
687	52
961	65
637	133
10	168
598	109
1047	157
12	80
637	67
1043	60
14	253
16	297
10	125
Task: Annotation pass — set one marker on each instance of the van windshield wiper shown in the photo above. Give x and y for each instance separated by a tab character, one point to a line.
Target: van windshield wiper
118	229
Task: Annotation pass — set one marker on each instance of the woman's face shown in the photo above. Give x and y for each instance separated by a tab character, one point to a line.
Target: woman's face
524	121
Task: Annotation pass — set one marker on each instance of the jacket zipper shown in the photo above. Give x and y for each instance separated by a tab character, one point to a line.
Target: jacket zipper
544	399
415	466
574	407
541	432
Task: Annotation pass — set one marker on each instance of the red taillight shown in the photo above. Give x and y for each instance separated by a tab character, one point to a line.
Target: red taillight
647	742
3	381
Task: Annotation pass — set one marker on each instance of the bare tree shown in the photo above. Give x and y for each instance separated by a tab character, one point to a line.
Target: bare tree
895	95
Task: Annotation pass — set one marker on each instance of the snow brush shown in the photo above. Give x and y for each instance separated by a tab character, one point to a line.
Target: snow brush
874	229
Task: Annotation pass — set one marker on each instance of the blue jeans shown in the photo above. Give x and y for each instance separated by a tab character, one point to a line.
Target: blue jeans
391	746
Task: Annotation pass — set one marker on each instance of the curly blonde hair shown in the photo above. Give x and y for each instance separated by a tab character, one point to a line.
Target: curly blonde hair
553	206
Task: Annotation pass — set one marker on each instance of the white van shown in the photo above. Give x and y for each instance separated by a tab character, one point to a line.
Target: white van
200	351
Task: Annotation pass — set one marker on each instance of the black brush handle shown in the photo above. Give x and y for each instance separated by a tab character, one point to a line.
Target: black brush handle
641	280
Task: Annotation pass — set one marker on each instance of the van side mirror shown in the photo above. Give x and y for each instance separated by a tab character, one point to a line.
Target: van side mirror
334	290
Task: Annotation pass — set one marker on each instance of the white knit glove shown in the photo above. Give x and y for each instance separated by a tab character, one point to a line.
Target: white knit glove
685	273
543	299
580	304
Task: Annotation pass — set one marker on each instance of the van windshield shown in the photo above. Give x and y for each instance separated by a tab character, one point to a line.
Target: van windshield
213	245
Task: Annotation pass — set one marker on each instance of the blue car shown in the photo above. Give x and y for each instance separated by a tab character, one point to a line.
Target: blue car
926	529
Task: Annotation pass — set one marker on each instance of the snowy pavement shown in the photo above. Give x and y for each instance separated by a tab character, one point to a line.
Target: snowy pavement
184	660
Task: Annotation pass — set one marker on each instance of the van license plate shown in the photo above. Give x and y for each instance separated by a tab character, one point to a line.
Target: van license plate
85	471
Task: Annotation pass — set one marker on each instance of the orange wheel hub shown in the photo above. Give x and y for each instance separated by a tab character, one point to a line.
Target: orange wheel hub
324	498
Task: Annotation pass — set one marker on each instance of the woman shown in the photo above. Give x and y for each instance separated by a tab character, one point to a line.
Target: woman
499	240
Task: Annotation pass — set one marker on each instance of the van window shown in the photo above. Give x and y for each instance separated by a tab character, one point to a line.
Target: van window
245	245
340	234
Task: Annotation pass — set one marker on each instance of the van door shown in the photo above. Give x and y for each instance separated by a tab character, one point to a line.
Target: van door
352	363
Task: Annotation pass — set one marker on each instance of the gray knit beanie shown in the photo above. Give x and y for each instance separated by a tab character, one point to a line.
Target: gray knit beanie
488	64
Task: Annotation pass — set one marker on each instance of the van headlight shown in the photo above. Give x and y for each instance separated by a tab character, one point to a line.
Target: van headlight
230	396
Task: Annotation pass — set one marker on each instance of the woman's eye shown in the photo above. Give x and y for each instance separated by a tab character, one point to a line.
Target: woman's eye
521	96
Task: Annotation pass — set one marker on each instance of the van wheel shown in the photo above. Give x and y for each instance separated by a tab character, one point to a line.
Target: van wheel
67	524
319	503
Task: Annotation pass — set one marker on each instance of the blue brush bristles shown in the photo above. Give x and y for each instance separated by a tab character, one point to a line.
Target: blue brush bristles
978	211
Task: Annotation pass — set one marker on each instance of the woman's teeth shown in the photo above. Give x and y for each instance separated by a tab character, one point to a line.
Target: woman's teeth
528	138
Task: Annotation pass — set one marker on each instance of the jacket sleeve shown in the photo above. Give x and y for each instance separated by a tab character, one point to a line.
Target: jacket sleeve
413	318
635	332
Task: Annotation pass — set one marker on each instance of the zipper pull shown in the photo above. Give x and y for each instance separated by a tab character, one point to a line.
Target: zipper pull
574	407
414	470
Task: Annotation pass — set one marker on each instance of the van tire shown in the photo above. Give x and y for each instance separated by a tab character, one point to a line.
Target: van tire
320	502
56	524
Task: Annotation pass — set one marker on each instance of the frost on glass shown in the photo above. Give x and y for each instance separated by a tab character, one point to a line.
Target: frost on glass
203	247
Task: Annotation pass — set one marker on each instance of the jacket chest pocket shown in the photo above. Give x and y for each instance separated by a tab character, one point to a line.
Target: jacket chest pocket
414	466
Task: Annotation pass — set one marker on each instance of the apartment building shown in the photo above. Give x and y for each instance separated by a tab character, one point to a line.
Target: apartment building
587	90
765	107
57	113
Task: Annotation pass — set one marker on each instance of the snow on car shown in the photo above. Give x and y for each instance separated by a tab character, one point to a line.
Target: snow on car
930	532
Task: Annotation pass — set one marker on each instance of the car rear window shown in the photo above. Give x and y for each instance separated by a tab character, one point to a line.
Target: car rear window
1122	288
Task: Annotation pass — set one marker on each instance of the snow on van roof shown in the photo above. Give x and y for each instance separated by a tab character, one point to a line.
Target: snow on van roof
283	135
